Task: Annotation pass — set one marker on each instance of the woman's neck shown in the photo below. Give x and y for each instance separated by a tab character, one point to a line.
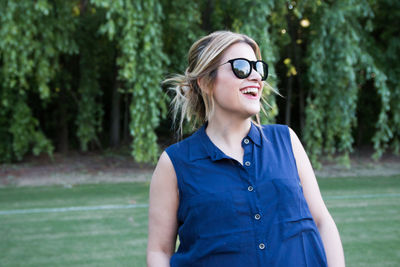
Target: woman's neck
227	135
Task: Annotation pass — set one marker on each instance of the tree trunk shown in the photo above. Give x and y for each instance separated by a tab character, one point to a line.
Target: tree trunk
289	90
115	113
63	122
125	133
301	109
291	54
206	16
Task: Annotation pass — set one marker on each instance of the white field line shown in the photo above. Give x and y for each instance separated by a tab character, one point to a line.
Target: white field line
133	206
67	209
362	196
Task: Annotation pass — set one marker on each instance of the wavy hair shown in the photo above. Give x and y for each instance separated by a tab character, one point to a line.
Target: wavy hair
190	101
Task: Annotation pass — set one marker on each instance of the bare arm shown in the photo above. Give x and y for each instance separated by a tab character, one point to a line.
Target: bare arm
164	201
326	225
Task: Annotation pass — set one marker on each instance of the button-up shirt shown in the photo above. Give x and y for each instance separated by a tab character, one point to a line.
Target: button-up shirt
253	214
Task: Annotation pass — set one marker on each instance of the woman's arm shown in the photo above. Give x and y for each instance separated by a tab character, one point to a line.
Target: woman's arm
326	225
164	201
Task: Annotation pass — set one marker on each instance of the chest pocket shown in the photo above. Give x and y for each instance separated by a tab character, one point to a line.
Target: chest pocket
294	215
292	205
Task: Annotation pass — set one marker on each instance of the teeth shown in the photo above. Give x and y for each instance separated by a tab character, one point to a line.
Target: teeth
250	90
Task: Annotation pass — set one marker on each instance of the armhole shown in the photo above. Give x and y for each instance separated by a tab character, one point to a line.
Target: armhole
291	153
177	174
178	182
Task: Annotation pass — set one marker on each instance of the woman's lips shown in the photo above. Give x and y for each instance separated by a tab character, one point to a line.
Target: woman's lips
250	92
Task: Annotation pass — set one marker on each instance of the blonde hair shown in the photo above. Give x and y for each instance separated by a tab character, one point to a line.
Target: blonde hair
190	101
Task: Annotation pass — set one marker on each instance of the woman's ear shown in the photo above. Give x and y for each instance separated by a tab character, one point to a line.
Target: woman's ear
202	86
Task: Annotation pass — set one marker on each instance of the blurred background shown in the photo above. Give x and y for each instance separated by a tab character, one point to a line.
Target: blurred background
84	117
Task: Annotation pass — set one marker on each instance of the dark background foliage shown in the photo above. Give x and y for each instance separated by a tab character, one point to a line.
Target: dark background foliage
86	75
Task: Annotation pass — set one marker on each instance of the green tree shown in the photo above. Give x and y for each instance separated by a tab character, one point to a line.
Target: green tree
136	27
84	73
32	37
340	62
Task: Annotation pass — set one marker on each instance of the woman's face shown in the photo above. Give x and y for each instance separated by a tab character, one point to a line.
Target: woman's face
234	96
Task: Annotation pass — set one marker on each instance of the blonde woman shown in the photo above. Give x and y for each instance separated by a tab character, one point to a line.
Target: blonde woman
235	192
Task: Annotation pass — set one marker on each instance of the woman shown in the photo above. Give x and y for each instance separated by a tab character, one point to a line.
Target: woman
237	193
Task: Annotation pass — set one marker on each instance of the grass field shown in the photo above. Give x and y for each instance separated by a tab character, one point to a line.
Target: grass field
106	224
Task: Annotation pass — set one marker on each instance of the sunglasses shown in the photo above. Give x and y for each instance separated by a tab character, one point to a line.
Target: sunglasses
242	68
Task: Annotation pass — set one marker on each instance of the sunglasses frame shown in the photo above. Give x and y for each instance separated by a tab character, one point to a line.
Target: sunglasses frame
252	66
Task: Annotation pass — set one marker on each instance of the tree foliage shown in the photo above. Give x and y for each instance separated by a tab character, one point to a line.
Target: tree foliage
33	34
66	65
342	57
136	28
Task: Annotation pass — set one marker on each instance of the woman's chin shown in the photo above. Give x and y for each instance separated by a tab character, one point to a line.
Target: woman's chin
255	109
252	112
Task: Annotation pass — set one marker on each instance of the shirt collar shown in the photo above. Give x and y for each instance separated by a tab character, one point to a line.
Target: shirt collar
255	134
203	147
198	145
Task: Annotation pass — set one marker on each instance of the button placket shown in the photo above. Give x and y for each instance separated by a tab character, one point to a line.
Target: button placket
249	172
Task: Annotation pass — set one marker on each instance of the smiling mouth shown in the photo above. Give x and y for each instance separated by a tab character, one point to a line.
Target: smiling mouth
250	91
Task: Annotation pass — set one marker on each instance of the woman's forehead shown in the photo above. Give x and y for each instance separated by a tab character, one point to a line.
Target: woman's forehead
239	50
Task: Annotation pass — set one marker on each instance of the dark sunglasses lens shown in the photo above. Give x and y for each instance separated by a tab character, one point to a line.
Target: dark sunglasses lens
262	69
241	68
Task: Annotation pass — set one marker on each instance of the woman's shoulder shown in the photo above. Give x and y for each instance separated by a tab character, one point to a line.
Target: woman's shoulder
274	128
276	133
182	147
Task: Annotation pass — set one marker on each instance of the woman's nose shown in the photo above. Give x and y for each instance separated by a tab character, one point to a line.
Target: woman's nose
254	75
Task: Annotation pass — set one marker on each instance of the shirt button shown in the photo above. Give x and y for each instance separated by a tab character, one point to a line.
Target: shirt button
250	188
246	141
247	163
300	184
261	246
257	216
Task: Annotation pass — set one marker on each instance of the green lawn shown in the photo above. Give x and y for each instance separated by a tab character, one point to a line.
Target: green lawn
367	213
113	230
99	237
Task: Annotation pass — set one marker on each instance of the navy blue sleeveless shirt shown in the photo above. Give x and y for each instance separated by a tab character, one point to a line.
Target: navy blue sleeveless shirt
253	214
